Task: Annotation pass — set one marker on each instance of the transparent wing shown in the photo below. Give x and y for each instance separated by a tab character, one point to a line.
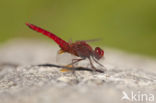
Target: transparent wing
92	40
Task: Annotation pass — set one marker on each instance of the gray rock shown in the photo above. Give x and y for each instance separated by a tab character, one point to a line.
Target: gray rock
22	82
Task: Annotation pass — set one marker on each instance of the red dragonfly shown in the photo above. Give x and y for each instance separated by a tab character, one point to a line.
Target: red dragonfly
79	48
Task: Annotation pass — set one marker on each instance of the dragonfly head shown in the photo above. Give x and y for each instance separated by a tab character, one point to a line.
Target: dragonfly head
98	53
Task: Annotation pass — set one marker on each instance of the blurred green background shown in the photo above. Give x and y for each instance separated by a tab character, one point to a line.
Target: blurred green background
128	25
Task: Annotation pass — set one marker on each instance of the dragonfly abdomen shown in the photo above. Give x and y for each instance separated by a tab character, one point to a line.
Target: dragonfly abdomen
63	44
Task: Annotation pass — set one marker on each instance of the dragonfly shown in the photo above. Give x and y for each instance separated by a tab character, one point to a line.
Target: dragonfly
79	48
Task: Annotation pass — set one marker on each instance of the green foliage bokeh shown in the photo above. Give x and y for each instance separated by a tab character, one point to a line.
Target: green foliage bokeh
125	24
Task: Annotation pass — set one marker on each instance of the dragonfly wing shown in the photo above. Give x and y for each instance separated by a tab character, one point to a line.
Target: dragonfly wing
70	41
92	40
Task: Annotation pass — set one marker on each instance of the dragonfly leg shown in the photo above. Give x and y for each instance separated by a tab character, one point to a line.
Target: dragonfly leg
94	69
71	64
76	60
97	62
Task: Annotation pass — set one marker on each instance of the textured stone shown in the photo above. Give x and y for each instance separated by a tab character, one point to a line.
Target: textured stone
23	82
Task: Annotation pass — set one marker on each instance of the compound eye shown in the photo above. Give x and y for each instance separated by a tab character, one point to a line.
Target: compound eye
98	52
102	52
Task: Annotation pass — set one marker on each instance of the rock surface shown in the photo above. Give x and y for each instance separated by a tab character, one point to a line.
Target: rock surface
23	82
